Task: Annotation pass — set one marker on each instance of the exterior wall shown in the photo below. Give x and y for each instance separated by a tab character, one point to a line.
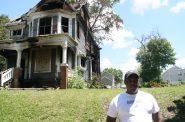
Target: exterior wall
174	75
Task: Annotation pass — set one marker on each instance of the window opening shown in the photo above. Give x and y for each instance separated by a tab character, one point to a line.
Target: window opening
64	24
45	26
17	32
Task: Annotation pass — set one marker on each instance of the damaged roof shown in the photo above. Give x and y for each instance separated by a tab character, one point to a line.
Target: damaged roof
45	5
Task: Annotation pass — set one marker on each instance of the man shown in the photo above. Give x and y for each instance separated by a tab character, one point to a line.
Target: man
134	105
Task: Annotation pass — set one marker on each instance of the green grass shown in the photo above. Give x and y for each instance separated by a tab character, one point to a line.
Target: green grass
73	105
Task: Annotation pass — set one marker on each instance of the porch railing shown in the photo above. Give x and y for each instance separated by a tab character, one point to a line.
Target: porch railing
6	75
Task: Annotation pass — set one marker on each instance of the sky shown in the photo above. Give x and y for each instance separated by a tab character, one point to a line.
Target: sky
140	17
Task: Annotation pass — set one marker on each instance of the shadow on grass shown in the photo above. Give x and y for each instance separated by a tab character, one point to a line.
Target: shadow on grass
178	110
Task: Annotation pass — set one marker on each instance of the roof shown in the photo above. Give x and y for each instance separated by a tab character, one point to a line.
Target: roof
44	5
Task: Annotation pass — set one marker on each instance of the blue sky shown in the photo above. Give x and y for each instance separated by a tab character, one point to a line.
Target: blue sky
140	17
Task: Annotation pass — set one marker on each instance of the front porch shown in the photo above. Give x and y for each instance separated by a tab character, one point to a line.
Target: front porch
41	62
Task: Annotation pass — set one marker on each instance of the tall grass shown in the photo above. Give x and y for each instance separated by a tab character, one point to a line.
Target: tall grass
73	105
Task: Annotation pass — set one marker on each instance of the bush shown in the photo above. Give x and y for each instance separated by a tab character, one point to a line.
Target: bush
96	83
76	81
154	84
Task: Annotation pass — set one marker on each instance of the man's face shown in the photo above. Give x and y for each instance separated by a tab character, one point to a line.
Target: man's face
132	84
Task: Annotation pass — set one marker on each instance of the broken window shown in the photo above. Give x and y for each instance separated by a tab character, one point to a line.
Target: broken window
17	32
45	26
64	24
83	61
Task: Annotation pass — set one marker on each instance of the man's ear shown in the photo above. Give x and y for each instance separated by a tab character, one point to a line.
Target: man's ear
125	81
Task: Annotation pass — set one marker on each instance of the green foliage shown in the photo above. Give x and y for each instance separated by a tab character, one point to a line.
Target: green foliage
117	73
153	84
76	81
3	63
103	19
96	83
154	56
70	1
3	20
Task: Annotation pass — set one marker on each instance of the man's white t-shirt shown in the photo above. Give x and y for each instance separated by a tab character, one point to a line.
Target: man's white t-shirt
133	108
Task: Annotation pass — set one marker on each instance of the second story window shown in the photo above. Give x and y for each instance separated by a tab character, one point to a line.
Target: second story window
64	24
45	26
17	32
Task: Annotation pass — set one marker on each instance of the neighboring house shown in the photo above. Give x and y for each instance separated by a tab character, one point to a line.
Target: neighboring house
49	40
108	80
174	75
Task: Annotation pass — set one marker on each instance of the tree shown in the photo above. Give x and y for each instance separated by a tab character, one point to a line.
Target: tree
103	19
3	20
117	73
155	56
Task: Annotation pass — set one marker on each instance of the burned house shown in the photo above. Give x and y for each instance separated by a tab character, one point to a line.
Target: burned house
47	42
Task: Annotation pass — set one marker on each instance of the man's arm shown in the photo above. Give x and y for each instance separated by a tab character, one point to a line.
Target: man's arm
156	117
110	119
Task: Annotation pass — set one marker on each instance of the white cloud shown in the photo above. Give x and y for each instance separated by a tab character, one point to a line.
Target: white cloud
140	6
178	7
180	62
105	62
121	38
131	64
122	1
133	52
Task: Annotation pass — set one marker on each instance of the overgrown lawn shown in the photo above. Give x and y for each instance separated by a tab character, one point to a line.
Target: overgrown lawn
73	105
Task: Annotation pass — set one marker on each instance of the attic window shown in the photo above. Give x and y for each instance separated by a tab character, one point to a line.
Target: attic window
64	24
45	26
17	32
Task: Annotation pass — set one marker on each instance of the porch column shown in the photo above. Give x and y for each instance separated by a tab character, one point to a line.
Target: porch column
64	67
64	76
64	50
17	70
76	59
16	76
79	61
19	53
59	24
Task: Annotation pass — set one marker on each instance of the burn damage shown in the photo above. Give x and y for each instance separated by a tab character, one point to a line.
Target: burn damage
50	4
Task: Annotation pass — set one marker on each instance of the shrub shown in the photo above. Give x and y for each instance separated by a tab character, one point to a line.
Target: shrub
76	81
152	84
96	83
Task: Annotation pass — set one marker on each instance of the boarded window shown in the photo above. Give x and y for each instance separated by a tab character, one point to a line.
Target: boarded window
45	26
43	61
64	24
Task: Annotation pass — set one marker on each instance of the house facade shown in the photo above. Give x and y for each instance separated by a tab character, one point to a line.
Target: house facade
174	75
48	41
